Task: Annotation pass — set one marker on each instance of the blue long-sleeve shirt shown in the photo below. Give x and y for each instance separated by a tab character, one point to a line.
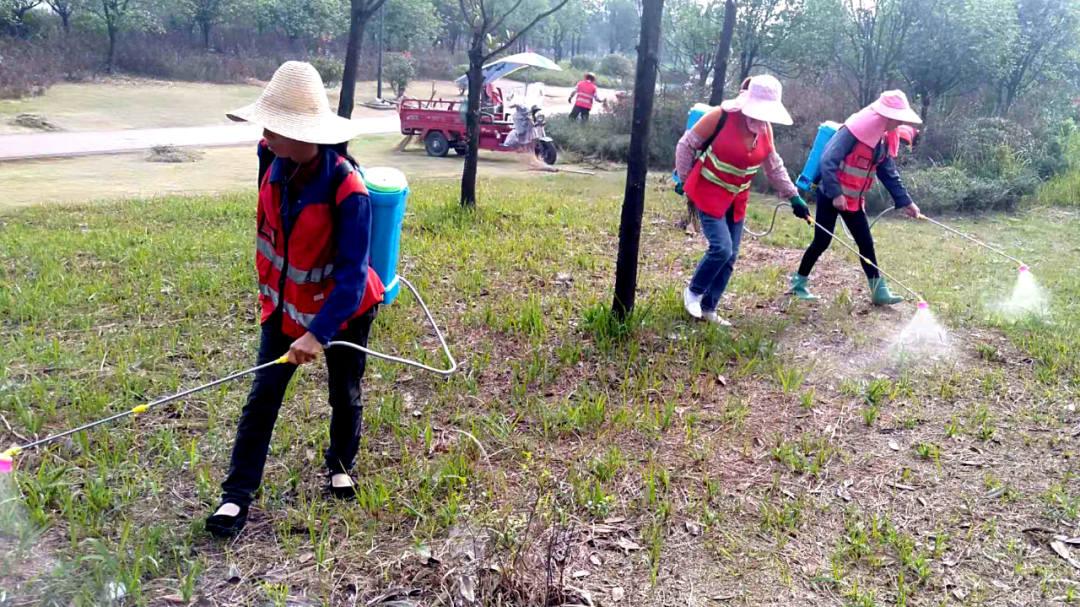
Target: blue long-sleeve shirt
838	148
352	237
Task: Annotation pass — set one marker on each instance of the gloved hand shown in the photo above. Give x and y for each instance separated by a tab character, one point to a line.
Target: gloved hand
798	207
912	211
679	189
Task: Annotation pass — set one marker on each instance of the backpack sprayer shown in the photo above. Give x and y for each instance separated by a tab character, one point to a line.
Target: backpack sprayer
696	112
388	191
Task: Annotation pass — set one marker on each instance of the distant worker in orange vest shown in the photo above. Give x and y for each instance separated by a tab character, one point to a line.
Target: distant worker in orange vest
585	91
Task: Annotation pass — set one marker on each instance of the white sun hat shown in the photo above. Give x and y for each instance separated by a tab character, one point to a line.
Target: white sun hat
761	101
294	105
894	104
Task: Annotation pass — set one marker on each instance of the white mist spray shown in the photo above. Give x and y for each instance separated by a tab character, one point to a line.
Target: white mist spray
1028	298
923	335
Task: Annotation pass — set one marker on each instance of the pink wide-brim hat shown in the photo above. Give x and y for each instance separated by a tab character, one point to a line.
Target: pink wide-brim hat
894	105
761	101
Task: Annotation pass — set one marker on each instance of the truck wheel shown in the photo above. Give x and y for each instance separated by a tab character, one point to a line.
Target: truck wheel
436	144
545	151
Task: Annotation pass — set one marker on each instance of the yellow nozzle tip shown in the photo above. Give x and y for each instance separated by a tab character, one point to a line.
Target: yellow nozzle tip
140	409
284	359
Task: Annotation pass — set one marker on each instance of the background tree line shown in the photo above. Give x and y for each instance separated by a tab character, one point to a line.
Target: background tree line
996	80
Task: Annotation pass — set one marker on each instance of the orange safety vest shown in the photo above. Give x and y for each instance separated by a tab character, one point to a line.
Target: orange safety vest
586	94
296	273
856	175
722	176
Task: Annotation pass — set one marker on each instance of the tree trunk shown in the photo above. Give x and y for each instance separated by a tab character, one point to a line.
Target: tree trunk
110	59
205	26
723	50
472	120
352	60
638	165
925	107
65	22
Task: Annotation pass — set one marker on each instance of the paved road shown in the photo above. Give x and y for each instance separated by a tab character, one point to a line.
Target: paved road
55	145
28	146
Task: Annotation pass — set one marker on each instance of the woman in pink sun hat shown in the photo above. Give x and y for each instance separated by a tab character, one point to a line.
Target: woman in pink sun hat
866	145
717	161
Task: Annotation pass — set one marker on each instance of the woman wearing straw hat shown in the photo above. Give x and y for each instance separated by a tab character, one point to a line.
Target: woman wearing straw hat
730	143
866	144
315	284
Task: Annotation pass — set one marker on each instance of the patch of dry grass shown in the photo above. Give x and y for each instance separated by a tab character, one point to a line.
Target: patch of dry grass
660	462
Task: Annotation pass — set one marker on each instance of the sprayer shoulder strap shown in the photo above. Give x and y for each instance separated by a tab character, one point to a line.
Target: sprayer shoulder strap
719	127
266	158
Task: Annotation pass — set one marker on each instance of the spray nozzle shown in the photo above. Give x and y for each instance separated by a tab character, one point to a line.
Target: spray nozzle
7	460
1023	268
923	305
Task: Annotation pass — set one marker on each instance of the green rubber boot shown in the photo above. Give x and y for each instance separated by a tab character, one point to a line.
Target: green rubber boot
799	287
880	293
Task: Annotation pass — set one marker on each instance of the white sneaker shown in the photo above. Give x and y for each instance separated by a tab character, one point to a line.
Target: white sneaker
711	316
692	303
341	481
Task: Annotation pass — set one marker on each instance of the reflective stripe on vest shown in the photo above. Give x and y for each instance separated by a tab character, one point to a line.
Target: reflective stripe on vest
298	276
855	180
714	170
297	316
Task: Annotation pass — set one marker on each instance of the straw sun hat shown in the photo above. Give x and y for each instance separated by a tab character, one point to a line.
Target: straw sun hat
294	105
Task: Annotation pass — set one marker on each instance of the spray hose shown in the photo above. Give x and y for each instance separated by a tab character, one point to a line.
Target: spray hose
810	221
772	224
7	456
404	361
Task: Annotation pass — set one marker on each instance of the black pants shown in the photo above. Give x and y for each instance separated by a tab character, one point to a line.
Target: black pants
345	368
579	112
857	223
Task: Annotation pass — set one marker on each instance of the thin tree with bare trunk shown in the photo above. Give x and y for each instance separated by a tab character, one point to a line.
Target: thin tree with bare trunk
360	12
484	22
637	169
723	51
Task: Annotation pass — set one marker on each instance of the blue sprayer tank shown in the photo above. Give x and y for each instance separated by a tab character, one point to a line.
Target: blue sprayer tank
695	114
389	191
812	170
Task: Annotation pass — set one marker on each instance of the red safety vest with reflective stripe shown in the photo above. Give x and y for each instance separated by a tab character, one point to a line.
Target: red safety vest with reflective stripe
856	175
722	175
586	94
297	273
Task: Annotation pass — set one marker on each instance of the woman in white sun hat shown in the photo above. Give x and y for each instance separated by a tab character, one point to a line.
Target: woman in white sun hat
866	145
717	160
315	284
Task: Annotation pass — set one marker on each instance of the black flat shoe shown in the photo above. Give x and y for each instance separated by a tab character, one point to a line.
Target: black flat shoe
341	493
223	526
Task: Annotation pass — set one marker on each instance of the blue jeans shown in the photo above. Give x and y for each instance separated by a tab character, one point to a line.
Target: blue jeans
714	271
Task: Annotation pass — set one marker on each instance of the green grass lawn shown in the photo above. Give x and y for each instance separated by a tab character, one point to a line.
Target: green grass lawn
124	176
787	461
